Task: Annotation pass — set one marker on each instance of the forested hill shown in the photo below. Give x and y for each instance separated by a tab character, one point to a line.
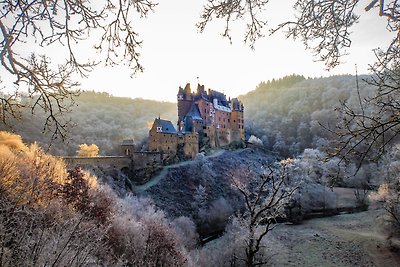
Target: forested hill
101	119
286	114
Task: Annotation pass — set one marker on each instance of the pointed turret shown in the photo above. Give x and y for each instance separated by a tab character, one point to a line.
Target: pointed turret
180	93
188	91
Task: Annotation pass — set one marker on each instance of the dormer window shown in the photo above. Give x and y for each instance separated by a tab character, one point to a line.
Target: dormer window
180	97
159	129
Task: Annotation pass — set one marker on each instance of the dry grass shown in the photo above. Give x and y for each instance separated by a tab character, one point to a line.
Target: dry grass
345	240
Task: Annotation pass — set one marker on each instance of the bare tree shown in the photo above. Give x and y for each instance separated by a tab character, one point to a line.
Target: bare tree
364	133
265	198
322	25
67	23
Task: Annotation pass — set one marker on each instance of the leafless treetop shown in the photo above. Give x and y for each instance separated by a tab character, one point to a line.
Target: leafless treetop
66	22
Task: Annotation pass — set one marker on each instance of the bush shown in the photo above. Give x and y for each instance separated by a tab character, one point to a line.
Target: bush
51	217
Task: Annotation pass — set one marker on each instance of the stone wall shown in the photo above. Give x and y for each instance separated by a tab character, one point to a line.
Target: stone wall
138	160
116	162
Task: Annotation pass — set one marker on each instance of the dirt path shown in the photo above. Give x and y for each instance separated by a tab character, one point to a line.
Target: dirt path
153	181
344	240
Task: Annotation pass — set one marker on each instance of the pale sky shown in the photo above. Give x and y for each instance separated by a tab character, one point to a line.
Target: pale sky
174	53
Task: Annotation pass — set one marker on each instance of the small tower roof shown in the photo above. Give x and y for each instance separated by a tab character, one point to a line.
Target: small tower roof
166	126
236	104
128	142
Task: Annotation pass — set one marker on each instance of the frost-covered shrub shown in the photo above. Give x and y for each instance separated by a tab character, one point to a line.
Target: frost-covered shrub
142	236
312	196
186	232
215	217
226	250
255	140
383	193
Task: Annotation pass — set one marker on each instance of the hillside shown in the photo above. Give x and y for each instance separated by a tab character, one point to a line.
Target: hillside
287	114
203	189
98	118
204	186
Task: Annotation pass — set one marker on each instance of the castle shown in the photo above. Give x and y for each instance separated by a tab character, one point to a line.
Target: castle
205	119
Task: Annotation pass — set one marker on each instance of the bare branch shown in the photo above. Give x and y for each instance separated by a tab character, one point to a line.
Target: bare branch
233	10
365	134
64	22
323	26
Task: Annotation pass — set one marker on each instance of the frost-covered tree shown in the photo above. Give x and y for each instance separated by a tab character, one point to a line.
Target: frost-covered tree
88	150
264	200
389	190
255	140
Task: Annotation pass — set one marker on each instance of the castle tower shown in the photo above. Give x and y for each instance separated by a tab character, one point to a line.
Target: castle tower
237	120
185	101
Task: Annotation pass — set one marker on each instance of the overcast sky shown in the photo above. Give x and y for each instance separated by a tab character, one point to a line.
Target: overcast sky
174	53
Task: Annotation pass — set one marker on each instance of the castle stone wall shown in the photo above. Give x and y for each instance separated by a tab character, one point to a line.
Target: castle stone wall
138	160
116	162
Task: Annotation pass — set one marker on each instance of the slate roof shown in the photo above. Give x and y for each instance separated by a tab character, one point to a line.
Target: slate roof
203	96
128	142
236	105
188	124
221	97
194	112
166	126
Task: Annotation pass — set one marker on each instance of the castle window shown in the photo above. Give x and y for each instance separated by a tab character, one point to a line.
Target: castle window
234	121
159	129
